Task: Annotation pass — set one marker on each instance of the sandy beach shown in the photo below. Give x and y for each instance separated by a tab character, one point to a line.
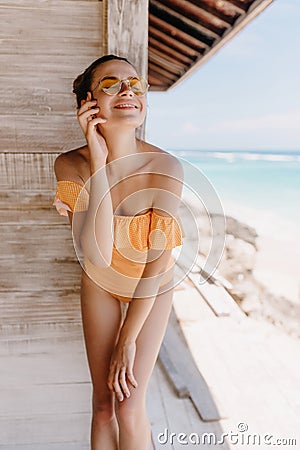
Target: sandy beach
278	250
260	260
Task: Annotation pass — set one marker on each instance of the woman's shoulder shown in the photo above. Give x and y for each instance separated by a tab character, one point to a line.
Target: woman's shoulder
168	178
164	161
71	165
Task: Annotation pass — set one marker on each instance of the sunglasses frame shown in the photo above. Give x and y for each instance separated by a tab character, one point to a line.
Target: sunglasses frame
120	83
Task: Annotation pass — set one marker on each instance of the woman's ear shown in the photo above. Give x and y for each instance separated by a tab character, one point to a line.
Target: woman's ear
88	98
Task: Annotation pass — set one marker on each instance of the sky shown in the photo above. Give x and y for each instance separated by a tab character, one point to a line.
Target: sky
246	97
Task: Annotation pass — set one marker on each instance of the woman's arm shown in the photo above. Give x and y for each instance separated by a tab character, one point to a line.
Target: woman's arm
92	229
144	295
167	200
122	360
96	235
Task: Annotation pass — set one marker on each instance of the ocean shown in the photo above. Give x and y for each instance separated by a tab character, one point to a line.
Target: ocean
266	181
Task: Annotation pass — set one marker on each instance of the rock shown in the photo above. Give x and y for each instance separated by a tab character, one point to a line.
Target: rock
242	252
241	230
250	303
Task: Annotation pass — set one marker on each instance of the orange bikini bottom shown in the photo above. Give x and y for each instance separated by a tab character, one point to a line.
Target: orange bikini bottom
121	278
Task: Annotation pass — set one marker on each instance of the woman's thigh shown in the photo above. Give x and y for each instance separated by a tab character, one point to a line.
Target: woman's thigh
101	319
147	347
151	335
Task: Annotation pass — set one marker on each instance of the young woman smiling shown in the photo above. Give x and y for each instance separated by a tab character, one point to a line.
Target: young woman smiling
122	197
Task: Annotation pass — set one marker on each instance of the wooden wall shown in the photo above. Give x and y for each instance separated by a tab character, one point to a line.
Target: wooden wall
45	45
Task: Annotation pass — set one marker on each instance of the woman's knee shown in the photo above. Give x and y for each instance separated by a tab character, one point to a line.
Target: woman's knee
129	416
103	408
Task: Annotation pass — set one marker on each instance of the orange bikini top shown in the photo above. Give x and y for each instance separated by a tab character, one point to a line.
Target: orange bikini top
149	230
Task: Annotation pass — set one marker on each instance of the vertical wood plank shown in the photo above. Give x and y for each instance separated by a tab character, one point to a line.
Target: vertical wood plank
127	31
127	35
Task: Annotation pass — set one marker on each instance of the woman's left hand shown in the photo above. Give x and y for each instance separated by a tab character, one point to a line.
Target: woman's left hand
121	369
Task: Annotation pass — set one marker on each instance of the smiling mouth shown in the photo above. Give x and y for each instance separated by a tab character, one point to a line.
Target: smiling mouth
126	106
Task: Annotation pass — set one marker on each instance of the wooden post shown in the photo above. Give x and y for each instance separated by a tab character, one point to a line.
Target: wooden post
127	34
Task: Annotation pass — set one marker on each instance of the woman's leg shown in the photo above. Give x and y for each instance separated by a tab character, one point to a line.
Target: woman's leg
101	316
134	425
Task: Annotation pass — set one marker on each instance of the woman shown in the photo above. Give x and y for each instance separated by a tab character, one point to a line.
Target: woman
122	197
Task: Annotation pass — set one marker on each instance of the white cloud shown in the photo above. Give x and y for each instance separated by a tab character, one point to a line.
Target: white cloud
289	121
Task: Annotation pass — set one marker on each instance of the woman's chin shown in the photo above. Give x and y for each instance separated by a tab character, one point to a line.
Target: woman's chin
124	122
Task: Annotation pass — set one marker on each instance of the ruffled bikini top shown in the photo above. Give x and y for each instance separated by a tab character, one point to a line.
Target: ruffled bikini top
149	230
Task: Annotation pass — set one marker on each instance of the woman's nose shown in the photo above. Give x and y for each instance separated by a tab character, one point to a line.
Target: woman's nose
125	88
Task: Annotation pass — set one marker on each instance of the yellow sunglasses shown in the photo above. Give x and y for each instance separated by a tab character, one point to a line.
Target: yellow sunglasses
113	85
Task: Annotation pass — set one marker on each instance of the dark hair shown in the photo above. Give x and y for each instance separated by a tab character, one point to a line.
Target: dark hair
82	84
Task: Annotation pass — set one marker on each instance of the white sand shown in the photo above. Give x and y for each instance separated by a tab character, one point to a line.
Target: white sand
278	257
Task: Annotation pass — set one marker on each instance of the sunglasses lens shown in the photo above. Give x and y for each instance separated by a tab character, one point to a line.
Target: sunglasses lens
138	85
112	85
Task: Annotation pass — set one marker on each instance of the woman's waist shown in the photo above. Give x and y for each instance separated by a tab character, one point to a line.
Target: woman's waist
126	261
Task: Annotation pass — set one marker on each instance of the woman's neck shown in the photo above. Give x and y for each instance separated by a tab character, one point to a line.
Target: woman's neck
120	143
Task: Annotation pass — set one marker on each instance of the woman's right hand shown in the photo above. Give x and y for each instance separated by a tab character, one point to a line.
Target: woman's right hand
89	125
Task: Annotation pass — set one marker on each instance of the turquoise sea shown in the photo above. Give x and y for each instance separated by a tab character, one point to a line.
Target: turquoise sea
262	180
